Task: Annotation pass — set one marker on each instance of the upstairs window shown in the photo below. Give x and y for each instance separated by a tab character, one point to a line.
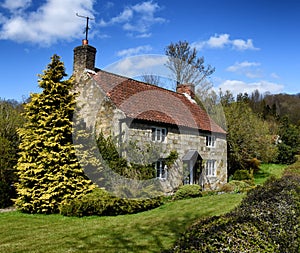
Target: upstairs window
210	141
210	168
161	169
159	134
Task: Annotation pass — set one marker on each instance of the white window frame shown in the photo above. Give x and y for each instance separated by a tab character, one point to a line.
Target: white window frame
210	168
161	169
210	141
159	134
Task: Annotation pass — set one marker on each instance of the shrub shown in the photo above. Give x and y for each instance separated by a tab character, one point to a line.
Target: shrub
254	164
238	186
188	191
208	193
99	202
286	154
242	175
266	221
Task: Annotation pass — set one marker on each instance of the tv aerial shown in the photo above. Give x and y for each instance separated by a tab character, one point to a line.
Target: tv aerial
87	24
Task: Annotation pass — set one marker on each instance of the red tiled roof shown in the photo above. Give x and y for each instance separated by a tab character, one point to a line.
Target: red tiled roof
147	102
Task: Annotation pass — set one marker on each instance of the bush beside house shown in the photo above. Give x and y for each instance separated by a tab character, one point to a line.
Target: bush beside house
101	203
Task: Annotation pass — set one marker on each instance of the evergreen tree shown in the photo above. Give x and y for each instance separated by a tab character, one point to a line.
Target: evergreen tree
48	169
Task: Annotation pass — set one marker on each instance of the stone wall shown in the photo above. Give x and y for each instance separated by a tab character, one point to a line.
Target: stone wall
183	140
102	115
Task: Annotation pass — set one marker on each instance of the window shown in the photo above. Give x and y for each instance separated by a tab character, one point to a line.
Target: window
210	141
211	168
161	169
159	134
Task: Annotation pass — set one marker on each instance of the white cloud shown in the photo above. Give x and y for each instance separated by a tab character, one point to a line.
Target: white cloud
124	16
274	75
257	73
104	36
109	5
243	45
2	19
237	86
140	65
223	40
144	35
54	20
137	18
16	4
135	50
249	69
218	41
241	65
146	7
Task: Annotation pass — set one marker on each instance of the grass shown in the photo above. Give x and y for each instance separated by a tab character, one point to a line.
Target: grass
268	170
150	231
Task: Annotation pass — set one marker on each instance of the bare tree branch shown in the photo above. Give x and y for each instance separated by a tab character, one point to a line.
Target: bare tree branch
186	66
151	79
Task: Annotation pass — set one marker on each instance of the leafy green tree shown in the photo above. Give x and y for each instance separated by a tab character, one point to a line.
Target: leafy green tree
226	98
290	142
248	137
282	105
48	169
187	67
10	121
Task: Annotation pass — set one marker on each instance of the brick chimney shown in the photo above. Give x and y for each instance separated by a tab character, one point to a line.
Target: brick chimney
188	89
84	58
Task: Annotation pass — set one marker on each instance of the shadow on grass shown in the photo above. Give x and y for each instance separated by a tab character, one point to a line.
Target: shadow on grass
151	231
140	237
262	175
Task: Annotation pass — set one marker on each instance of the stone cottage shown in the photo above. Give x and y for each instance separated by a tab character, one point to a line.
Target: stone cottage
132	110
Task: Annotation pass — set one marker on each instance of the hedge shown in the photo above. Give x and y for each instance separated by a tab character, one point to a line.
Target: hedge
101	203
266	221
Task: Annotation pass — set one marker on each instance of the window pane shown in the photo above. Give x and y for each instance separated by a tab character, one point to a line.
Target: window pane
161	169
210	168
163	134
210	141
157	165
158	133
153	134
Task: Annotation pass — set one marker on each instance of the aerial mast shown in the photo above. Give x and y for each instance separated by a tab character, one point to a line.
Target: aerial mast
85	42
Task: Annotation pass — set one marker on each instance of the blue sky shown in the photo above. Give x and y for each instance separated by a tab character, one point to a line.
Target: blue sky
253	44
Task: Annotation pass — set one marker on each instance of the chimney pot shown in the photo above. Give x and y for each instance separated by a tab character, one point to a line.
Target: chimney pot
188	89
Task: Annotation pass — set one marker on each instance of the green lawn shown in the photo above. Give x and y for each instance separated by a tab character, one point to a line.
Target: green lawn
149	231
268	170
